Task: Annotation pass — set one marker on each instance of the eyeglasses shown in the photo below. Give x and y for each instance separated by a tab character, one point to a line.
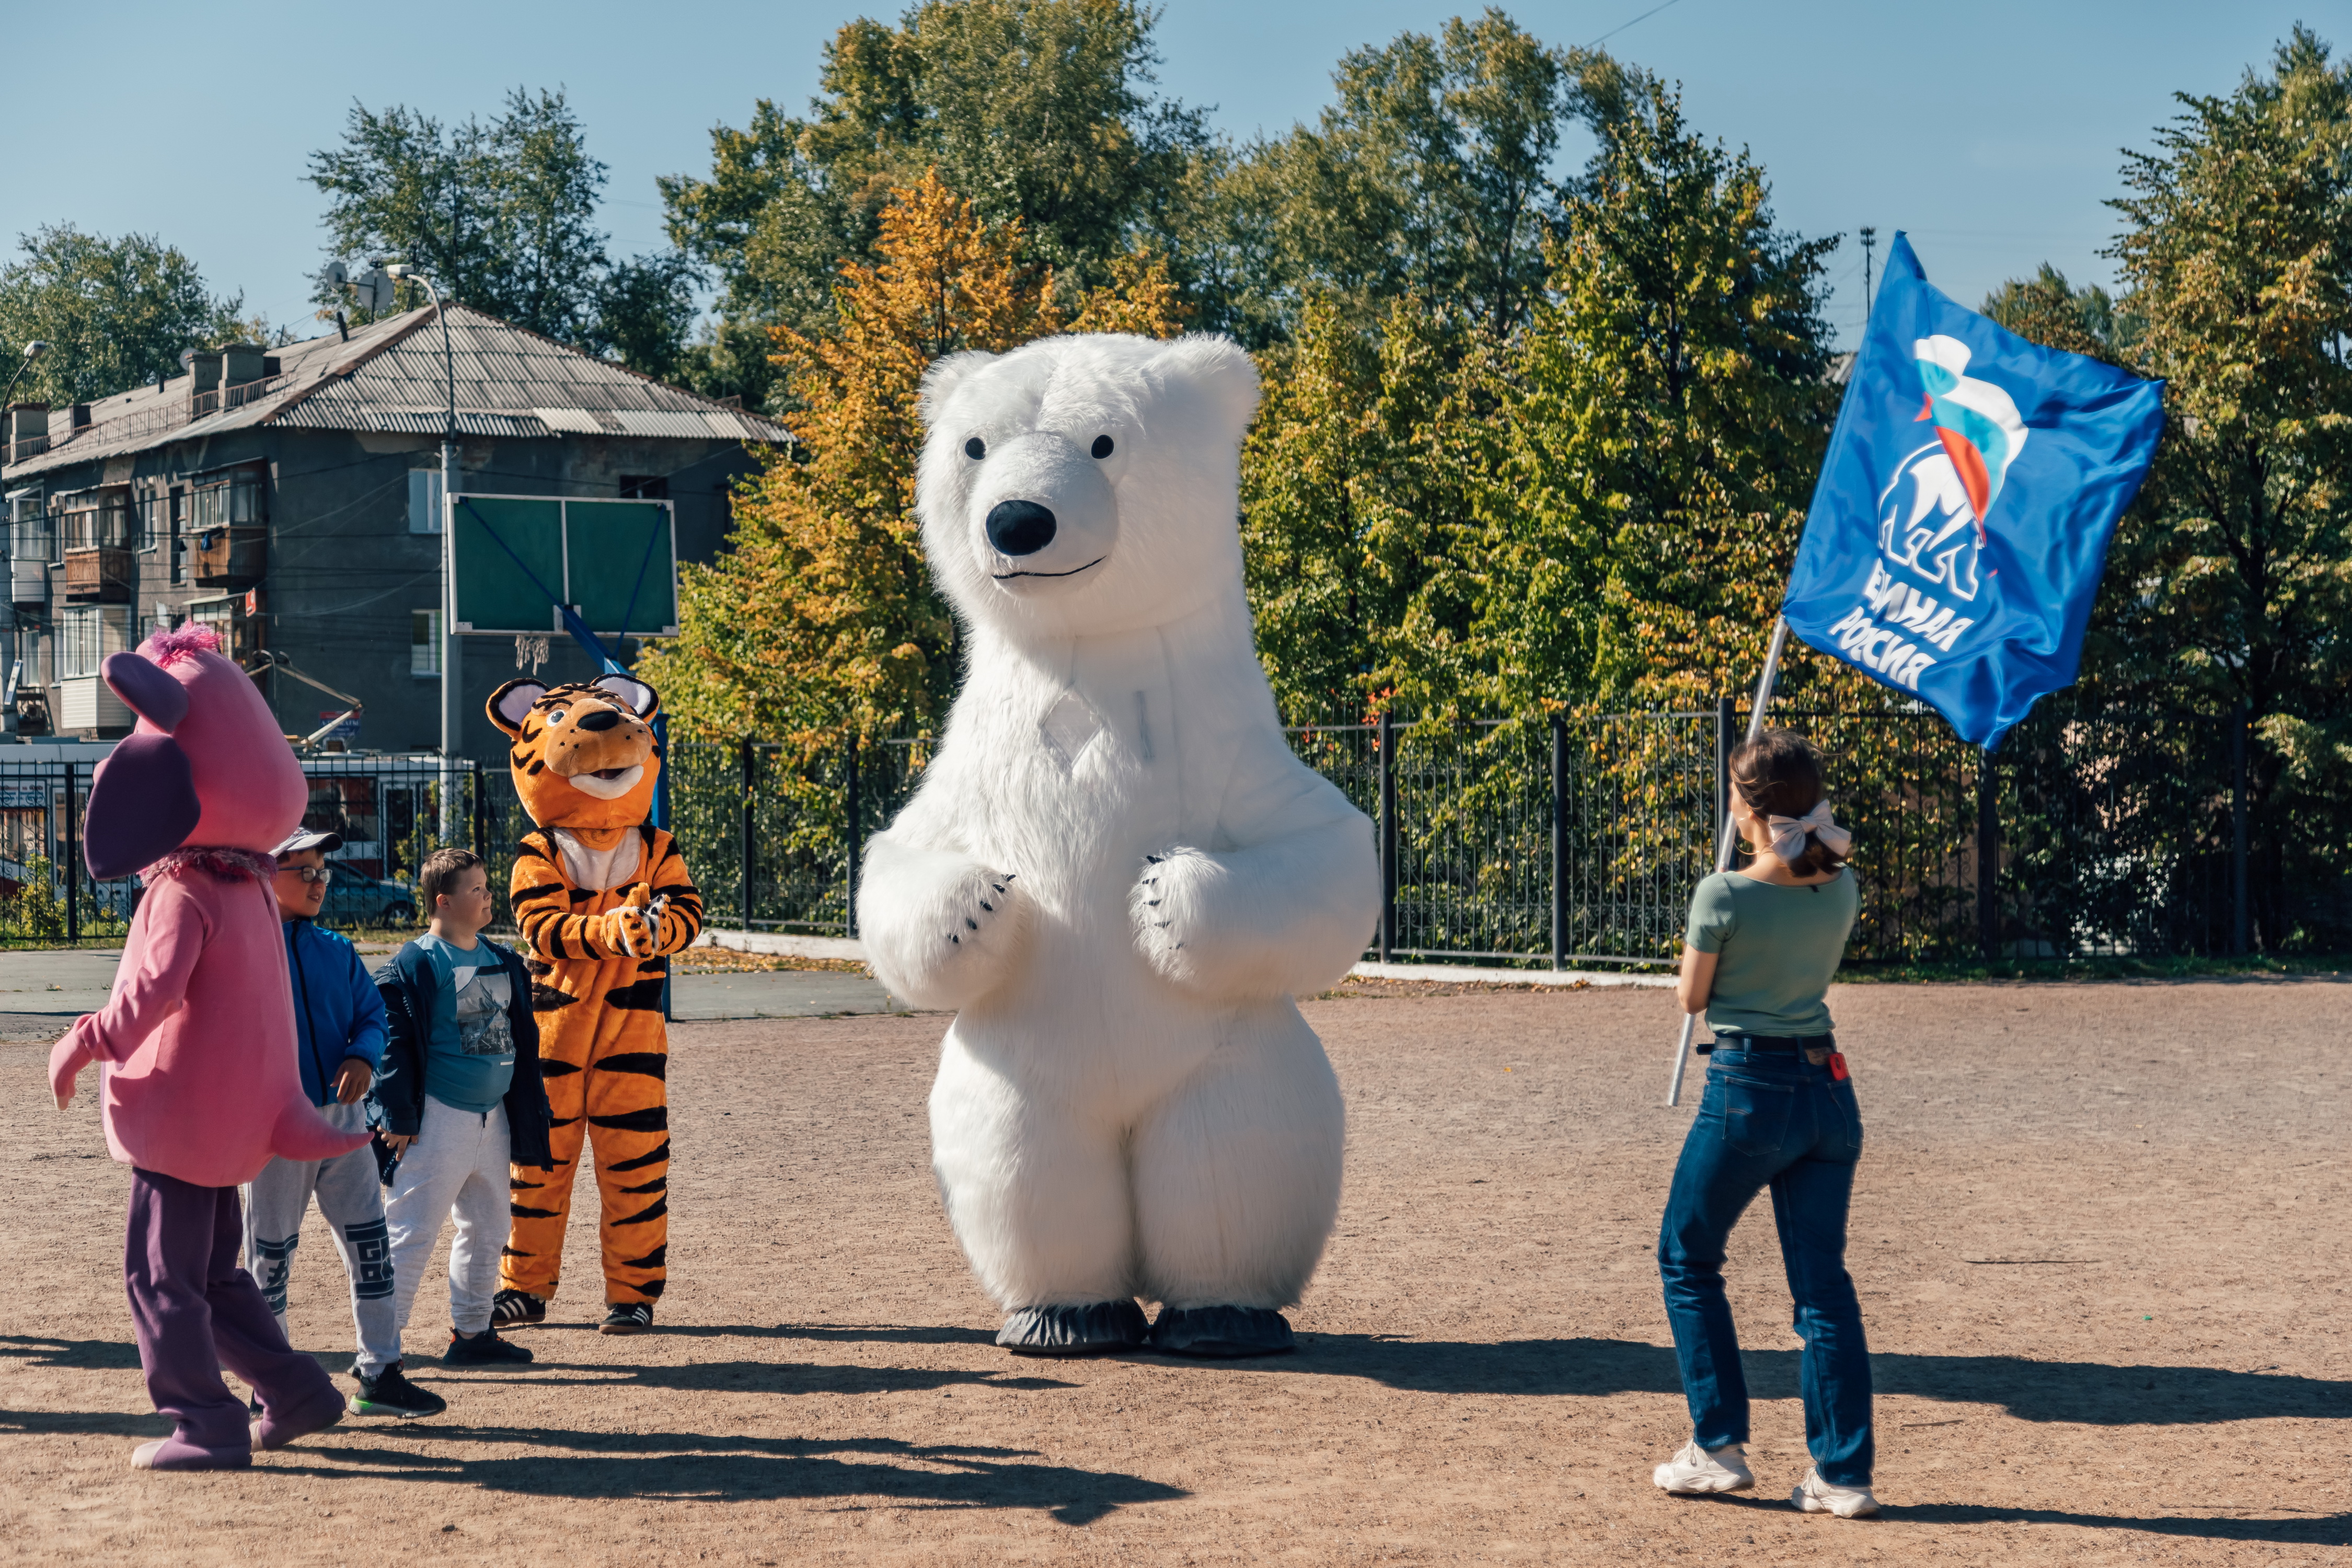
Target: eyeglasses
320	873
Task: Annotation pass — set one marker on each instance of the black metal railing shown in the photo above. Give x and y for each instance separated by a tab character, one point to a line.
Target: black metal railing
1560	840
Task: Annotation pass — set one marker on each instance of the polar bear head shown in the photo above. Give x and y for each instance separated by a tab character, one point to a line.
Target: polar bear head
1086	484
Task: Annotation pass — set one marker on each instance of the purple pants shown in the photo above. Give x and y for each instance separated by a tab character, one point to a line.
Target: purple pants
197	1311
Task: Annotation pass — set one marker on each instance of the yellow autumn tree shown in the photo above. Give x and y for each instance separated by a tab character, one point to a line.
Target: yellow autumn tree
819	621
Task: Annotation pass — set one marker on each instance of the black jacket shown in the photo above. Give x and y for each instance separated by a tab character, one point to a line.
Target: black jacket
411	987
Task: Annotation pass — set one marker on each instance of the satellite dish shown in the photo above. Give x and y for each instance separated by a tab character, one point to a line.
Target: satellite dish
334	275
375	287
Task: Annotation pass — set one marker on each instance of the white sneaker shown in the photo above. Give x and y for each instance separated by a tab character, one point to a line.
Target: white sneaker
1694	1469
1817	1496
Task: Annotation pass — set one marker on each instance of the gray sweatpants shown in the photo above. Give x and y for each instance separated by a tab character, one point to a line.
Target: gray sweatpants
351	1200
457	1167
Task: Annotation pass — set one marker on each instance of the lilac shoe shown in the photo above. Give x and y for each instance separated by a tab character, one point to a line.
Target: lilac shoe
171	1453
275	1430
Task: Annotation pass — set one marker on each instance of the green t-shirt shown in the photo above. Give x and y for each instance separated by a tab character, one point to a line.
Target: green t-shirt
1779	947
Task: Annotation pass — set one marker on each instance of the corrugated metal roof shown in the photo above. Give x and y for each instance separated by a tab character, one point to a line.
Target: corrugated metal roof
688	423
393	376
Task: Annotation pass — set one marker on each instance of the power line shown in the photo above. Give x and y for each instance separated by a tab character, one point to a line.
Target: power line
1620	26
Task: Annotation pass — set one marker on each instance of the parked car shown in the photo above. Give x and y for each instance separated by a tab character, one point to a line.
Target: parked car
354	900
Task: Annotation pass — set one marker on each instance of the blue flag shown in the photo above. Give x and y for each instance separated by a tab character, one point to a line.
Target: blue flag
1965	507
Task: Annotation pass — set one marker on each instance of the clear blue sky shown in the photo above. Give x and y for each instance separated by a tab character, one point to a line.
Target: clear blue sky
1989	131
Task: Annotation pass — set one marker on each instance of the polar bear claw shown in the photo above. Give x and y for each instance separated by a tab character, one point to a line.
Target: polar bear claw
949	926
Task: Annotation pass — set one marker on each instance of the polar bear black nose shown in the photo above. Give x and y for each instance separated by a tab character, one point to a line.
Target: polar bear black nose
1020	527
598	719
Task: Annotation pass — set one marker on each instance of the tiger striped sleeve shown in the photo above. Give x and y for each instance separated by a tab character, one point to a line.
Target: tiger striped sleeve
541	900
682	914
543	909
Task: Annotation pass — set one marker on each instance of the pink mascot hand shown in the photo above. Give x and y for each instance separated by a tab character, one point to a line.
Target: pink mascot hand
66	1058
301	1133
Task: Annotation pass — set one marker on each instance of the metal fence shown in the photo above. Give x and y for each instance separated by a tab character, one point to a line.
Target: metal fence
1529	841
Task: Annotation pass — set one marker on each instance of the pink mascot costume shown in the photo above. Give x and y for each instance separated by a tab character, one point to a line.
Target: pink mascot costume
196	1048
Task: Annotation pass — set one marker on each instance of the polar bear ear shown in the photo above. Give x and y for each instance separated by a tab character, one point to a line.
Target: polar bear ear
1220	371
945	376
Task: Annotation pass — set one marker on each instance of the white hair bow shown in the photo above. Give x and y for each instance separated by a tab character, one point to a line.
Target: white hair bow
1789	833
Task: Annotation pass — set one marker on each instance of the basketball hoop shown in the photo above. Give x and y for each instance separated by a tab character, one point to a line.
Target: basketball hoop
530	651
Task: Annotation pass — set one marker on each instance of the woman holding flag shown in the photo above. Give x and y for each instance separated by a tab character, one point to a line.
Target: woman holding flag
1778	1113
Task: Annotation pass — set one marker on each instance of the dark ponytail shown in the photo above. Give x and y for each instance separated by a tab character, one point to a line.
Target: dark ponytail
1779	773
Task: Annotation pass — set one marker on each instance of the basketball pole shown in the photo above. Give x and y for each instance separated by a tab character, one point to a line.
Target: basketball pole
1731	834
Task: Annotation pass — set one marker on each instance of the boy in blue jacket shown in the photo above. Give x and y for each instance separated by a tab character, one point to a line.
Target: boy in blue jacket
339	1032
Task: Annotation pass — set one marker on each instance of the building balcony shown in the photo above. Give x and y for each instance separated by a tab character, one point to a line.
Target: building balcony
99	575
87	704
222	557
29	582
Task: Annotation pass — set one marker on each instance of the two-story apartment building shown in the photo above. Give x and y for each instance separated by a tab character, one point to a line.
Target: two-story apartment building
292	499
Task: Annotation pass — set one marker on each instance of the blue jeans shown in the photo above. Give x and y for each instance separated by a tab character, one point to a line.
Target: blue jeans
1771	1120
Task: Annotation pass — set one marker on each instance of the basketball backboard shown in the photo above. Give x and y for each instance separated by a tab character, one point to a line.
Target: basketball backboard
516	558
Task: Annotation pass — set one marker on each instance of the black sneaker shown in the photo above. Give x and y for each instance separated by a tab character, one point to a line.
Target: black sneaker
477	1350
516	1309
627	1318
389	1393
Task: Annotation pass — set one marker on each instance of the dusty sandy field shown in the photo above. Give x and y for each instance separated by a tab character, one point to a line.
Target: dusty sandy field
2098	1241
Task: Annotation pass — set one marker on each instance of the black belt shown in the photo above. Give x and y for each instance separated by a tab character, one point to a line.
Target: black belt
1776	1045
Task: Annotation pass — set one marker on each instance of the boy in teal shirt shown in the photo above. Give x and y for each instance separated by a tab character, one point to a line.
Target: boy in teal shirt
461	1099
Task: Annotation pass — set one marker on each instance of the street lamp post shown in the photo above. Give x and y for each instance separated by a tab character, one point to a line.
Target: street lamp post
33	351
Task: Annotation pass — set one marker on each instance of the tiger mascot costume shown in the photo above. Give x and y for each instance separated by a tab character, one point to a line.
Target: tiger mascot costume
603	899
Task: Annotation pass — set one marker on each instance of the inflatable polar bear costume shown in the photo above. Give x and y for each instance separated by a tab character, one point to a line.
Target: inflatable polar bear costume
1115	870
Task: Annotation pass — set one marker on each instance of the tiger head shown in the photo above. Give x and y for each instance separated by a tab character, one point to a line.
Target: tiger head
583	756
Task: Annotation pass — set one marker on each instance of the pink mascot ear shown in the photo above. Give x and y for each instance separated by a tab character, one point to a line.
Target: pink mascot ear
142	805
152	694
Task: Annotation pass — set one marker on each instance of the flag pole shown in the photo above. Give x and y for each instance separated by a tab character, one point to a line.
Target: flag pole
1730	829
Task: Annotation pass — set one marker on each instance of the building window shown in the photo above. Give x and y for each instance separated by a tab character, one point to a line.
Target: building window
239	633
424	500
86	634
644	486
230	499
158	519
32	536
424	642
95	518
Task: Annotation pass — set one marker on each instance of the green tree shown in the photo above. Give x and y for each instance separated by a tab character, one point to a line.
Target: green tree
115	312
2054	313
2232	579
501	214
1361	485
1429	178
1036	111
1667	415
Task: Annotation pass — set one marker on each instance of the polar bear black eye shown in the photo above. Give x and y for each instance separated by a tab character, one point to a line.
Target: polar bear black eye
1102	446
975	448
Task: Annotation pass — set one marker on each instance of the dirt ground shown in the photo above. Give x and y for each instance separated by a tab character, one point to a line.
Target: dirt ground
2097	1237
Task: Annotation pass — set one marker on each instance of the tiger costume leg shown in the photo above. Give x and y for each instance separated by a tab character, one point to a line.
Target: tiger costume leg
627	1106
540	1201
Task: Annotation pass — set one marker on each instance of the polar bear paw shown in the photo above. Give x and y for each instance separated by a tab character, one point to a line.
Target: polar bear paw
951	944
1168	906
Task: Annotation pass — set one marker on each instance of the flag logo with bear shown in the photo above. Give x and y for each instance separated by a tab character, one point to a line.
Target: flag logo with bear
1961	568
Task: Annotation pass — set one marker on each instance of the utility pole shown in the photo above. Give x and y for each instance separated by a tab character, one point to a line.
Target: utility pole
453	721
1869	242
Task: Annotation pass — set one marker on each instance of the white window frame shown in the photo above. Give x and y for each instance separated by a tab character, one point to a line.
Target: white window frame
86	634
424	500
425	653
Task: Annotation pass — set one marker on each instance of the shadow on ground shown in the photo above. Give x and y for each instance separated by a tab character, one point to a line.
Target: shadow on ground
2315	1528
692	1465
2088	1392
